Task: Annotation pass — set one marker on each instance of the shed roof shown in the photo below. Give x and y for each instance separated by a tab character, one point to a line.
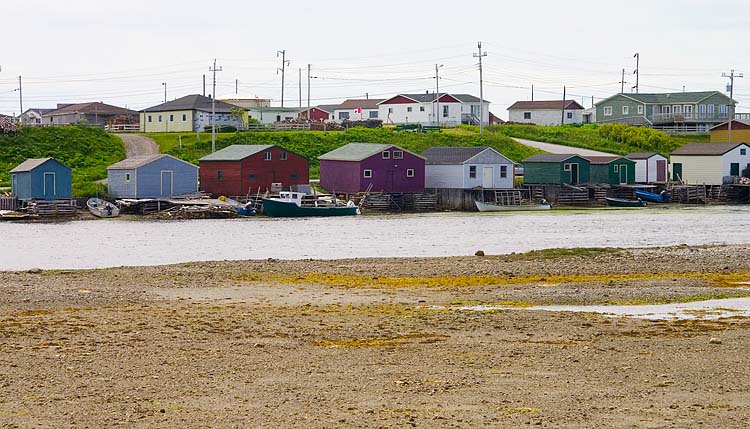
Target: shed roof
546	105
642	155
236	152
91	108
717	149
358	152
451	155
552	157
191	102
367	103
30	164
604	159
139	161
736	125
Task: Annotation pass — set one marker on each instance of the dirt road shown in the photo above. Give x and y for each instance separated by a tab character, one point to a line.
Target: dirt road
137	145
375	343
556	148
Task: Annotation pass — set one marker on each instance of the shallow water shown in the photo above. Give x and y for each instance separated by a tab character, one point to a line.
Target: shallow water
699	310
107	243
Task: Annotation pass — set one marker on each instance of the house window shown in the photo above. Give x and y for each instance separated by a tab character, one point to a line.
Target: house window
184	117
251	177
567	167
723	109
367	174
343	115
373	114
293	176
409	172
472	172
219	175
445	111
397	154
127	175
408	109
503	171
149	118
570	115
171	118
607	110
743	151
640	110
159	118
617	168
390	110
421	108
625	110
677	109
386	155
267	156
282	156
711	109
666	109
527	115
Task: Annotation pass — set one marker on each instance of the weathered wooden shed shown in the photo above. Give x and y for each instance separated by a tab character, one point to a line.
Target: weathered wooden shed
650	167
612	170
556	169
354	167
152	176
245	169
467	168
42	179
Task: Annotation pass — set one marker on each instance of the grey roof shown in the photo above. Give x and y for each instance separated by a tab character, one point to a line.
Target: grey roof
605	159
669	97
29	165
358	152
706	148
642	155
91	108
430	97
191	102
552	157
451	155
236	152
139	161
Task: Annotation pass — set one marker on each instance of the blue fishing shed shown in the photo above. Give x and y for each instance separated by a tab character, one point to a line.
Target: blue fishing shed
152	176
42	179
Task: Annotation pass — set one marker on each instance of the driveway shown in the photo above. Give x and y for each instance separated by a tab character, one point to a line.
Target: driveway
137	145
556	148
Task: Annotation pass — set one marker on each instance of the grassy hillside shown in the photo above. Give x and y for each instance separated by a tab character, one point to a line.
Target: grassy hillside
613	138
312	144
87	150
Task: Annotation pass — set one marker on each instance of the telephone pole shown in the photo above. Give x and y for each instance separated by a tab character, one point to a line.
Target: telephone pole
437	93
213	69
20	96
532	92
622	82
236	87
204	84
300	89
730	109
284	63
562	121
165	91
309	119
637	71
479	55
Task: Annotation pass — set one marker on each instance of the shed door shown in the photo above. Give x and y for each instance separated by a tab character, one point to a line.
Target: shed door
49	186
574	173
734	169
488	177
661	170
677	172
14	184
623	173
166	183
389	181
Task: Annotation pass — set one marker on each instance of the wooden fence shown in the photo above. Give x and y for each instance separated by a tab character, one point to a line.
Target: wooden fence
8	203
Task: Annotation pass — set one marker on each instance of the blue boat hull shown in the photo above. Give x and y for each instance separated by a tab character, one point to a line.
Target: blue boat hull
651	197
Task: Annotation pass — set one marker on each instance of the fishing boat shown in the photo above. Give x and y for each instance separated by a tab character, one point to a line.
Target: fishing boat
100	208
289	204
489	207
662	197
622	202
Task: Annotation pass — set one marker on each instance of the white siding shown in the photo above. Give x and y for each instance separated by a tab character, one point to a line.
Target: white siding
444	176
267	115
457	176
653	170
546	116
353	116
401	115
734	156
699	170
640	170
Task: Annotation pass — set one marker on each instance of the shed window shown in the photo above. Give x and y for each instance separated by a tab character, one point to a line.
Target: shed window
527	115
472	172
421	108
445	111
373	114
397	154
220	175
251	177
171	118
267	156
282	156
743	151
570	115
617	168
503	171
409	172
386	155
567	166
408	109
127	177
293	176
159	118
367	174
149	118
184	117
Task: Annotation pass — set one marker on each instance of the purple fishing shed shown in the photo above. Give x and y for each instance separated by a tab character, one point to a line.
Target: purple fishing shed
352	168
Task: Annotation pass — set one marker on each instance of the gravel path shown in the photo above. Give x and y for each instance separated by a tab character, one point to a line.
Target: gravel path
137	145
556	148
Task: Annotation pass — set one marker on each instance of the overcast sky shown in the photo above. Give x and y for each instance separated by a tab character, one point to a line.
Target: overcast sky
121	52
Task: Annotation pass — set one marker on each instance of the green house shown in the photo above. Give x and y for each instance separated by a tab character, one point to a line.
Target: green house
613	170
694	110
556	169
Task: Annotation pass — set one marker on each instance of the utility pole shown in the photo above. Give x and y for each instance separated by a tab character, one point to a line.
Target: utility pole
213	69
479	55
730	108
637	71
562	122
437	93
622	82
165	91
532	92
284	63
300	89
236	87
204	84
308	94
20	96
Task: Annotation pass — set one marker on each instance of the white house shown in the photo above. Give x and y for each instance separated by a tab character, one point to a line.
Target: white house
467	168
548	112
710	163
650	167
454	109
357	110
269	114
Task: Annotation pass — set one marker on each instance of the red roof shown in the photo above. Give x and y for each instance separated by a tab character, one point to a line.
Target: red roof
367	103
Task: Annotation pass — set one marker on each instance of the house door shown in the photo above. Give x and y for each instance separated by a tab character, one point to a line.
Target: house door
389	181
661	170
49	186
167	185
677	172
488	177
734	169
574	173
623	173
14	184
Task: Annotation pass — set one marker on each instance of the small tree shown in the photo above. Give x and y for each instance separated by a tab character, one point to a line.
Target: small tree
238	114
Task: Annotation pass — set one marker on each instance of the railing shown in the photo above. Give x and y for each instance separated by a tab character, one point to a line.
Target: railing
742	116
123	128
280	126
687	116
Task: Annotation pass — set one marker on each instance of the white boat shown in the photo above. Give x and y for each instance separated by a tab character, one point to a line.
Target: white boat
487	207
100	208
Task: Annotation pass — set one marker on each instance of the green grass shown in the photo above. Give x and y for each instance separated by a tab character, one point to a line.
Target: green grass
312	144
613	138
87	150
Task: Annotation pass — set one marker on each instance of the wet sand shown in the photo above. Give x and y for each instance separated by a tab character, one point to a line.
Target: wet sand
359	343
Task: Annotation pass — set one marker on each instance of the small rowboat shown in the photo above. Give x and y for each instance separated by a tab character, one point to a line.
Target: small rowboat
100	208
651	197
621	202
487	207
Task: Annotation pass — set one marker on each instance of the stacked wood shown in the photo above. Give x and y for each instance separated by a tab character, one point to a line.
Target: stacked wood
688	194
412	202
52	208
573	197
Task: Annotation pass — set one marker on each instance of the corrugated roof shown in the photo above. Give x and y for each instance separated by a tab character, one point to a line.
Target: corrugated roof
551	157
91	109
706	148
236	152
451	155
29	165
546	105
641	155
366	103
191	102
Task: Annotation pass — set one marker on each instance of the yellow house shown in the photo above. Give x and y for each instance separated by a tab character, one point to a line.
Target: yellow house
710	163
190	113
740	132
